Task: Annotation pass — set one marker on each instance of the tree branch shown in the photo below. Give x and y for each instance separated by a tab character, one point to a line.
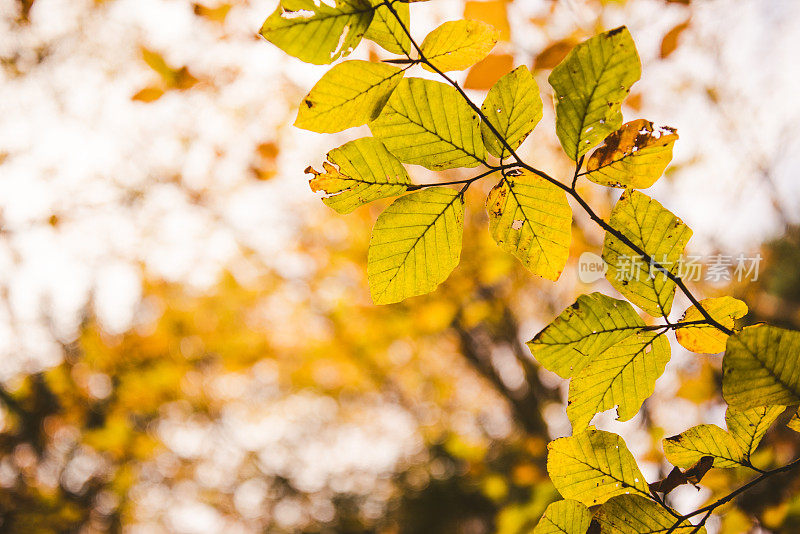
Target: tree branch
570	190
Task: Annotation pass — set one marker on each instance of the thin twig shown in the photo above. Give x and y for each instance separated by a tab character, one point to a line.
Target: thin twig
732	495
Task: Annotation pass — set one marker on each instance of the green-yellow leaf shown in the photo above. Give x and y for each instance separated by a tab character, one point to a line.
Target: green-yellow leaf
314	31
590	85
386	31
593	466
658	233
513	106
685	449
634	156
564	517
530	218
415	244
632	514
458	44
582	332
622	376
761	367
366	172
705	338
427	123
749	426
350	94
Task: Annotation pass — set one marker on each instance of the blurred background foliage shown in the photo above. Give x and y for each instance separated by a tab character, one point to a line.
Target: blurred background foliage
256	388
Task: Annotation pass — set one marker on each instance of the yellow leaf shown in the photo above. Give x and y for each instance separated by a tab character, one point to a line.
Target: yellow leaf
594	466
530	218
513	107
352	93
564	517
656	231
633	156
415	244
427	123
590	85
366	172
316	32
459	44
632	514
705	338
386	31
686	449
761	367
623	376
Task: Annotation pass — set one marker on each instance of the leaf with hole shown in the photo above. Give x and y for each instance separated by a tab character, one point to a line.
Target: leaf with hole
357	173
316	32
530	218
633	156
513	106
590	85
386	31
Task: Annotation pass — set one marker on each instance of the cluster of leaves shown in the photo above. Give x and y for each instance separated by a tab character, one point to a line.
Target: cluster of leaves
611	355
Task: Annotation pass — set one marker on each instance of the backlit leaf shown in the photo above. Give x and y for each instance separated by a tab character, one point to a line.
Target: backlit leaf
582	332
387	32
685	449
593	466
632	514
633	156
530	218
761	367
366	172
705	338
427	123
590	85
661	235
622	376
749	426
415	244
458	44
564	517
350	94
513	106
314	31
